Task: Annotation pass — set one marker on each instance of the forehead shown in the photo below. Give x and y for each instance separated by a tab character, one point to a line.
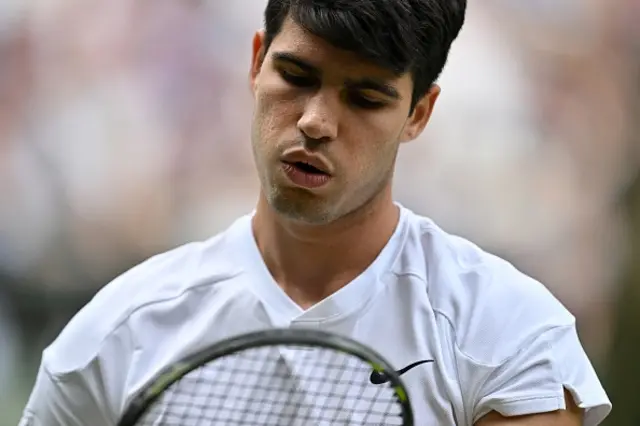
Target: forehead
295	40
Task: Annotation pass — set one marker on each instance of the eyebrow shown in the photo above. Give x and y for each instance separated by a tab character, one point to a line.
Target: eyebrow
293	59
366	83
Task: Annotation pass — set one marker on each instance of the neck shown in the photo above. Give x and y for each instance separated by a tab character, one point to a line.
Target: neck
310	262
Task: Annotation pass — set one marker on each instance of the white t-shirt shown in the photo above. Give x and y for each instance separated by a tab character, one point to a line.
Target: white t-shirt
499	340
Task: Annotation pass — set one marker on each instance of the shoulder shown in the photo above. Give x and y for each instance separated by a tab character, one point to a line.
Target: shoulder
491	308
166	277
514	345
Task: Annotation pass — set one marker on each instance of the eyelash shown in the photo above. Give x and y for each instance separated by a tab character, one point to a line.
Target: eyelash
297	80
308	82
365	103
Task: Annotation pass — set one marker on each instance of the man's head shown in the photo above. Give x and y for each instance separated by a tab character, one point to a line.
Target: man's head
341	83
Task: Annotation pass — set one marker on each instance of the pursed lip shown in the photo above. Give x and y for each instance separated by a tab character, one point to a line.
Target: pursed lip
303	156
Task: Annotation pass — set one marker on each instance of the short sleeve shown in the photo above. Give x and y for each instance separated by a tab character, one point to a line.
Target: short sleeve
64	402
533	380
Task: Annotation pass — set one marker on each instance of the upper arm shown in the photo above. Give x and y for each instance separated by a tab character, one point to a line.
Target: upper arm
541	382
517	350
515	346
66	402
572	415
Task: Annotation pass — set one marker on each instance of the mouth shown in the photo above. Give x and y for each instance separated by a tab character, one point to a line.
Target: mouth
305	175
307	168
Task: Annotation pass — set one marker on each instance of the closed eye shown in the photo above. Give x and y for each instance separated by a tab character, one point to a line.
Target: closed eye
299	80
365	102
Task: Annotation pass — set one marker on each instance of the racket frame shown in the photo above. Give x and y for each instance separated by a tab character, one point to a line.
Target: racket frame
270	337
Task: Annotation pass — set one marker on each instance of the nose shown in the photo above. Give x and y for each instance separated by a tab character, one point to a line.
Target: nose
319	120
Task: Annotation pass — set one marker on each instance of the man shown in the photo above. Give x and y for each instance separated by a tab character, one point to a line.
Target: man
338	86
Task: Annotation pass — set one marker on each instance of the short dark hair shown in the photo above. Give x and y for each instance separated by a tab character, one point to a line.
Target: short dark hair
401	35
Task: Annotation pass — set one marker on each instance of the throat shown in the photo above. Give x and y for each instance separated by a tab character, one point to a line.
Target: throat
309	263
308	274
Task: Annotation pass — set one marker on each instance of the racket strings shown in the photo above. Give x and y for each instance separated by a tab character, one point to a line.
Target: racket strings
277	386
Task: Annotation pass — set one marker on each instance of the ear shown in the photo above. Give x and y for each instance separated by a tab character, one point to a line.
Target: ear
421	114
257	58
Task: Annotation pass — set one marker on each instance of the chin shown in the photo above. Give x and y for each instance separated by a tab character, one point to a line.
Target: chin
301	208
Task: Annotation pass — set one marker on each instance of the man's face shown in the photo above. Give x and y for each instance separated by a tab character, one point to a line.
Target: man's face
321	105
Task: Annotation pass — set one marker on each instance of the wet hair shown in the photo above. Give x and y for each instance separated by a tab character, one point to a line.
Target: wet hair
403	36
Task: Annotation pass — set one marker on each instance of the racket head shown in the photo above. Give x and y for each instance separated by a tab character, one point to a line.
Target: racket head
278	337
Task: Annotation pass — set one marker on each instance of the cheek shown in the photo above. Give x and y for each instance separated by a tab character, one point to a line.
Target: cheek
275	96
276	113
375	145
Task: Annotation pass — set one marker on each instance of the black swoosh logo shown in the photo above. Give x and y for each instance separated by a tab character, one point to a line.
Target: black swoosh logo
378	378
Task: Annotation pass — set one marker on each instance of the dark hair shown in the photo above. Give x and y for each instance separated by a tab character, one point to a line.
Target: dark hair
400	35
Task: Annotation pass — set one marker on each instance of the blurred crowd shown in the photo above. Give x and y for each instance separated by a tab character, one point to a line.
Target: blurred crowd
124	131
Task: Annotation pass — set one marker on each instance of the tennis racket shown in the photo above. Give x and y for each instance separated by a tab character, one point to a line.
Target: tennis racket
277	377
